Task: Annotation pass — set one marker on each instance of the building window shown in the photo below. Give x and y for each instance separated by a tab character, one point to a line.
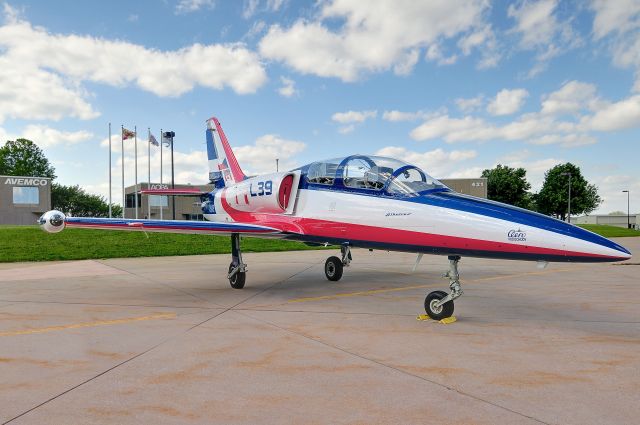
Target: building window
158	201
26	195
193	217
131	200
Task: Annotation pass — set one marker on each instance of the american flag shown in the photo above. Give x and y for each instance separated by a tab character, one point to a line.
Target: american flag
153	140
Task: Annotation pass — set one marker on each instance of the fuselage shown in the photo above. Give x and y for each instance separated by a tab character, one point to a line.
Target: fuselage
374	215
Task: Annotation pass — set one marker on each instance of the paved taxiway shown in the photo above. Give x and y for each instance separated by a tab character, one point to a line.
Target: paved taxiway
166	340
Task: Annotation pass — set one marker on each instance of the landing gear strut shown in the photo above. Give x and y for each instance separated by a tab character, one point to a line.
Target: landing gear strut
333	267
237	269
439	304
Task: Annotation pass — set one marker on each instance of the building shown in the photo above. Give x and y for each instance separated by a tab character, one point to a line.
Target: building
160	206
188	207
619	220
24	199
474	187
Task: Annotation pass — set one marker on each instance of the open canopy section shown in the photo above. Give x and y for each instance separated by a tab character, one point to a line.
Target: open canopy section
374	173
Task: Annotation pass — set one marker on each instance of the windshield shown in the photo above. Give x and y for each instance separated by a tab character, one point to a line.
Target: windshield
374	173
412	181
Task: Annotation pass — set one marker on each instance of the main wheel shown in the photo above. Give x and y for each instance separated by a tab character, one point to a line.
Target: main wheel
333	268
441	312
237	280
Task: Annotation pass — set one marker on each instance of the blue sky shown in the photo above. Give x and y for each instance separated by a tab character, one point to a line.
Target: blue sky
453	86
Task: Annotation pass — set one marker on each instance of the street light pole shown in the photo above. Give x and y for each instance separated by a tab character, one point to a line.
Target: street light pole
569	207
169	135
628	215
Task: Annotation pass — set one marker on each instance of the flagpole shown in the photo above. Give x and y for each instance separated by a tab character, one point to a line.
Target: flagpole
161	147
135	188
109	170
149	174
122	154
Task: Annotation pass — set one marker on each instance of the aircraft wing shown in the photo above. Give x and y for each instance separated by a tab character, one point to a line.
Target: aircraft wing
55	221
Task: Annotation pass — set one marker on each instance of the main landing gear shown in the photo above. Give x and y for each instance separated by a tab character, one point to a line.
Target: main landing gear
237	268
439	304
333	267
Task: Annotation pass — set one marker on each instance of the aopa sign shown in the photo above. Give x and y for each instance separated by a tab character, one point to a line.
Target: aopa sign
26	181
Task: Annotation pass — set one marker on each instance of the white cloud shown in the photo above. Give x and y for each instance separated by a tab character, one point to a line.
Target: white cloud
288	88
435	54
275	5
571	98
507	102
535	21
41	73
346	129
353	116
261	156
256	28
540	30
188	6
618	16
616	116
469	105
46	137
249	8
437	163
406	62
567	140
396	116
568	117
394	33
618	23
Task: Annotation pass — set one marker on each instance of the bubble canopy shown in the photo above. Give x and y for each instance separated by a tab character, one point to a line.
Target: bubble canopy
371	173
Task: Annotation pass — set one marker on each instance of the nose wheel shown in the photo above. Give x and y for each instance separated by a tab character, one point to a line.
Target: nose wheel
439	304
334	266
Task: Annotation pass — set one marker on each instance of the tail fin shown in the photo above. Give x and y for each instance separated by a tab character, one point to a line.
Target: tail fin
223	165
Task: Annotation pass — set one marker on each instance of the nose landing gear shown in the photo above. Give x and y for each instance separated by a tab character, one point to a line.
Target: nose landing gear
333	267
439	304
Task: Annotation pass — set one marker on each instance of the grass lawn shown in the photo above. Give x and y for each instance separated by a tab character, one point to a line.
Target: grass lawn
610	231
30	243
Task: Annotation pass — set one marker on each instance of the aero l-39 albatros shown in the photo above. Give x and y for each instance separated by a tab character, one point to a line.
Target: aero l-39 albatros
366	202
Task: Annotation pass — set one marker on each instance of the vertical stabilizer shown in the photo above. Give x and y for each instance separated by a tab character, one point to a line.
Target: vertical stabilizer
223	165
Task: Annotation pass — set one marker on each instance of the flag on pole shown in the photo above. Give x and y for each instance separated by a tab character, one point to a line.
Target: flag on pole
166	141
153	140
127	134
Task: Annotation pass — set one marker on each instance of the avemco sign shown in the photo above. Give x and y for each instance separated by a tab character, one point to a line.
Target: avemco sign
22	181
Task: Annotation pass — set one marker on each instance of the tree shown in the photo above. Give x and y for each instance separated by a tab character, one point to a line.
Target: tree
617	213
554	195
73	200
22	157
508	185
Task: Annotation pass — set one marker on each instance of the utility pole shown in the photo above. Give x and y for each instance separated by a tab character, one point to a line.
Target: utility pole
628	215
277	168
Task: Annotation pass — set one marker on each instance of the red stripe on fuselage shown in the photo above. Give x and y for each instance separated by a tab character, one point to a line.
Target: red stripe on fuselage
359	232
